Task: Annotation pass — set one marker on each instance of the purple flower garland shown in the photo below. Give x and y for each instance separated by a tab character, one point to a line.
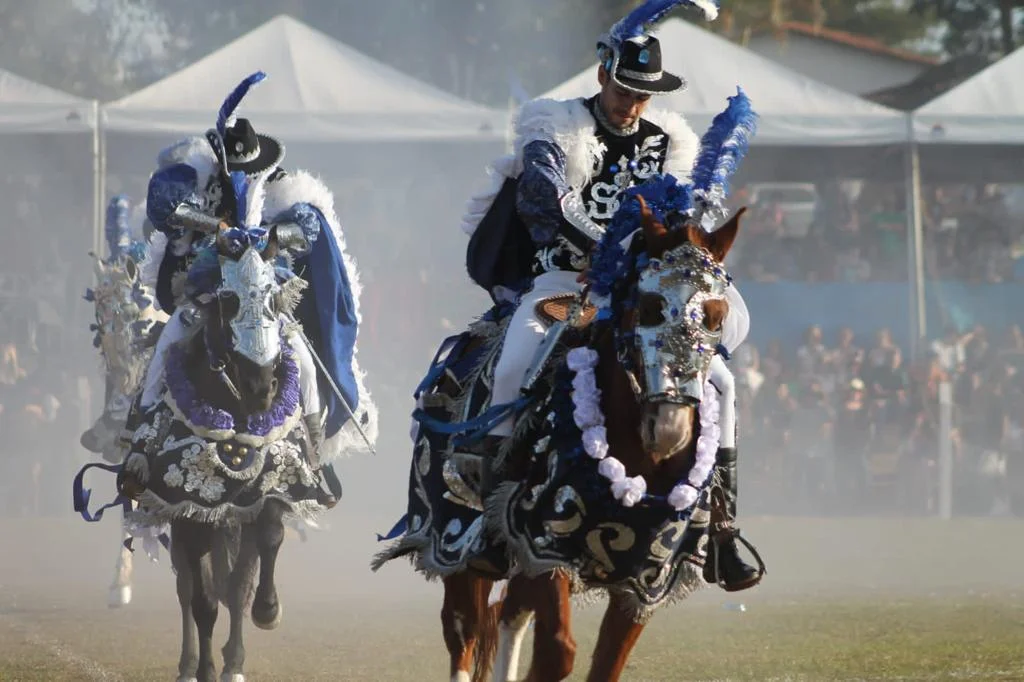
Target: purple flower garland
202	414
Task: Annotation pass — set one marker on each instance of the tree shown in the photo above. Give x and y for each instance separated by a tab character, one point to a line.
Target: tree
94	48
975	27
884	20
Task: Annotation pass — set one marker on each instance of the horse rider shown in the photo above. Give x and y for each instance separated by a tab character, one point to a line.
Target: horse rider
572	160
190	197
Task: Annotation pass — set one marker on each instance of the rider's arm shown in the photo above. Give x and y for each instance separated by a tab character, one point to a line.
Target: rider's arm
170	188
299	226
546	202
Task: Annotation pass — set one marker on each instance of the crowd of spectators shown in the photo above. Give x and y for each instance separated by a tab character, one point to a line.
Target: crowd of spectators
39	419
837	427
970	234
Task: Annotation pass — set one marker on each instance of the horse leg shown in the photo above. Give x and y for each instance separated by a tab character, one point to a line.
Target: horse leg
121	588
464	608
188	663
197	544
516	614
618	635
266	609
554	649
240	586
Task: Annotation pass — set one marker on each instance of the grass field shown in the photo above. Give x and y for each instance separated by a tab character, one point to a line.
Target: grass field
844	600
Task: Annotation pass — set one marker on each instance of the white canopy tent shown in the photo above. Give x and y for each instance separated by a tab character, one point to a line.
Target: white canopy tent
318	89
29	107
985	109
795	110
52	134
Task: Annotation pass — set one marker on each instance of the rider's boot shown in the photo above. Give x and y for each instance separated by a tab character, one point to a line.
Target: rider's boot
724	565
326	478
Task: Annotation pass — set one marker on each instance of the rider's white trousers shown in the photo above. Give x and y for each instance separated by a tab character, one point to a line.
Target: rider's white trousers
523	338
722	379
525	333
175	331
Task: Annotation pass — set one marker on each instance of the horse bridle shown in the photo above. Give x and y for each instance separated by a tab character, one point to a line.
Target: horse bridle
219	363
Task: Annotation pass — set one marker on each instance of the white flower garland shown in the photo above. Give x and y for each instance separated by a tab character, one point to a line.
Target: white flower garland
586	398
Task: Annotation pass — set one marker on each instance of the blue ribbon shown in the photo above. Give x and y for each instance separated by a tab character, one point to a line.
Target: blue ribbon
475	428
450	348
81	495
239	238
399	528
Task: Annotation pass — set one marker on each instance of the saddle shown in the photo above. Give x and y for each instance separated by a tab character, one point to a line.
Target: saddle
560	307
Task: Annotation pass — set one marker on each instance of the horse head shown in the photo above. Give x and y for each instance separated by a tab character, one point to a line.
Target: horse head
242	320
676	326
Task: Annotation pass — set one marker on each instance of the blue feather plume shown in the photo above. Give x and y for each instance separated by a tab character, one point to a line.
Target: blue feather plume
116	229
723	147
609	263
636	23
233	100
240	187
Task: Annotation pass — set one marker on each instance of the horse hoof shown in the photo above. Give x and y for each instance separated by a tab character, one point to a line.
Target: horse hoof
232	677
268	620
186	679
119	596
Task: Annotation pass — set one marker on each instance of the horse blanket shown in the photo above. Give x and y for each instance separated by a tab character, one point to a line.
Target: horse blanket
560	516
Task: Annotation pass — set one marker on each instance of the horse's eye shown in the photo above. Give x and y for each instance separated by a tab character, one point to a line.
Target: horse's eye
649	310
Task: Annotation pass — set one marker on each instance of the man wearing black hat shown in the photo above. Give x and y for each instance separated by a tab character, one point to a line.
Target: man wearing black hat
190	197
572	161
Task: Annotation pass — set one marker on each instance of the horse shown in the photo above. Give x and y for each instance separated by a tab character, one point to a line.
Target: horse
479	529
126	323
652	438
224	457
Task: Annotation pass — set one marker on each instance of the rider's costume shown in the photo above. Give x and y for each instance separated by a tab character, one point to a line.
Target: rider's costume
190	195
570	166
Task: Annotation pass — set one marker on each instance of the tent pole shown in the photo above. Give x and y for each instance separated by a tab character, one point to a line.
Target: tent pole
915	245
97	182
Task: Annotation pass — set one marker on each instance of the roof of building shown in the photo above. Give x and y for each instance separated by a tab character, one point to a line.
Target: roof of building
855	41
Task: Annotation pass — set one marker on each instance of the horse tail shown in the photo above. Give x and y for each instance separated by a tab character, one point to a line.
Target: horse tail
487	632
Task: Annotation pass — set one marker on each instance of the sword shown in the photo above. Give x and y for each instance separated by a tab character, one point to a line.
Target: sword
334	386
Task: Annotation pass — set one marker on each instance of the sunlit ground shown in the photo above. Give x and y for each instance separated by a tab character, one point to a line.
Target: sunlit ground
844	600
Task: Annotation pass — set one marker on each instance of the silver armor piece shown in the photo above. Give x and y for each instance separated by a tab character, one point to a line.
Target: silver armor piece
552	336
187	218
291	237
256	326
677	352
576	215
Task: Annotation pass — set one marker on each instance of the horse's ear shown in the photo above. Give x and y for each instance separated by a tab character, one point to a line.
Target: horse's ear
654	232
719	242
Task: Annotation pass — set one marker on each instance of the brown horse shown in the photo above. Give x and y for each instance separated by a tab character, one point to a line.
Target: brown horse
651	438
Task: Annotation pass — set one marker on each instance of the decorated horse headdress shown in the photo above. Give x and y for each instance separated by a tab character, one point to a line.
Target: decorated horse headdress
123	306
676	351
632	57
